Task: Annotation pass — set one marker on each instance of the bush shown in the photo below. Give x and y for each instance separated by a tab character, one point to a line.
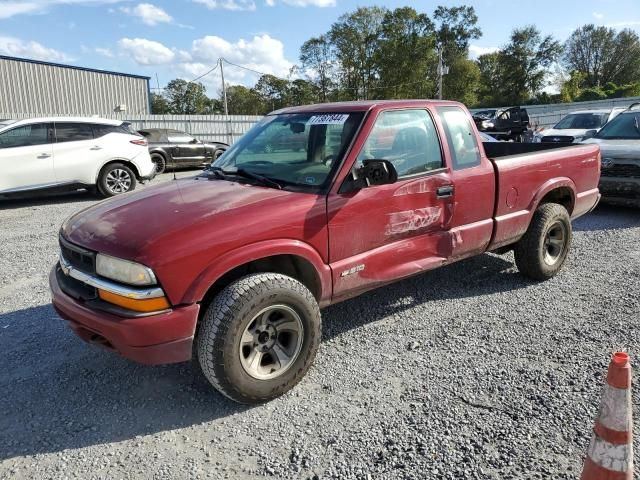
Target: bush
589	94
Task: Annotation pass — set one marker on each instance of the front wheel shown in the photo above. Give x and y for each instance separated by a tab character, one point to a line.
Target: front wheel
160	163
259	337
542	251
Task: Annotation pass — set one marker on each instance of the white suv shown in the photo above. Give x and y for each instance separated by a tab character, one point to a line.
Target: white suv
577	126
94	153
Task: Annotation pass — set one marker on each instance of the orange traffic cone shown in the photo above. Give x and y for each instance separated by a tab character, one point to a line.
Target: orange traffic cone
610	454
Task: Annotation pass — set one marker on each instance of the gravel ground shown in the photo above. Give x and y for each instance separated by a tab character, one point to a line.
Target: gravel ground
469	371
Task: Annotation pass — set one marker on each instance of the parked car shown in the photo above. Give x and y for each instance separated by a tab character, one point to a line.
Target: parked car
280	140
503	123
172	149
71	153
619	142
244	254
577	126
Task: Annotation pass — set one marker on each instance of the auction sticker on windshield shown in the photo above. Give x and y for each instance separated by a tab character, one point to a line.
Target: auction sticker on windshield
329	119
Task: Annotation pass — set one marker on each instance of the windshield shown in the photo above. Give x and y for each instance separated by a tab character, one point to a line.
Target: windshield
583	121
294	149
485	114
624	127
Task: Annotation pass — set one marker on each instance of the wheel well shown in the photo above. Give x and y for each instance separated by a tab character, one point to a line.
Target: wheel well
290	265
562	196
159	152
124	162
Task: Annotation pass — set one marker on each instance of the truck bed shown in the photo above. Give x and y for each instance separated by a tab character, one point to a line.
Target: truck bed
527	172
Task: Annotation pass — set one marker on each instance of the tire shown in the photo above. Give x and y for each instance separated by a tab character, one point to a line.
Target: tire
217	154
231	337
160	162
542	251
115	179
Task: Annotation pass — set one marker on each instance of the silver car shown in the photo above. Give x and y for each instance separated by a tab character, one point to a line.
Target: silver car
619	142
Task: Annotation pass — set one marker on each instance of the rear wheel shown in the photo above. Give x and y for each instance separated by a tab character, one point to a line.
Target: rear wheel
160	163
543	250
116	178
259	337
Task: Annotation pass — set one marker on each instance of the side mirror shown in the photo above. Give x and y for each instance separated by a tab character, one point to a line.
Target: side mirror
376	172
590	134
195	140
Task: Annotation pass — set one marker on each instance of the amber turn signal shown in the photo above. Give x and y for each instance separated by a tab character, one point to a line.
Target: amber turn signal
146	305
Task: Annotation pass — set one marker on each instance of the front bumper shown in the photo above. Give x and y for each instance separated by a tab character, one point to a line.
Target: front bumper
621	189
153	340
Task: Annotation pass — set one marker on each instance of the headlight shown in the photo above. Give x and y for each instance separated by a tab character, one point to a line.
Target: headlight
124	271
487	124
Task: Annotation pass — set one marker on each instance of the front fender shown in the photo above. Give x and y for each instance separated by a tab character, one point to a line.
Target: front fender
255	251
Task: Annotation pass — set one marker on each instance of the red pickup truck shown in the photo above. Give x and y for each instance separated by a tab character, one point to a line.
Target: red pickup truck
233	264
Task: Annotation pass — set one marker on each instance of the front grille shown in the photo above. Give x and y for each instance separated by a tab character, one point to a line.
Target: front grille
77	257
558	139
75	288
621	170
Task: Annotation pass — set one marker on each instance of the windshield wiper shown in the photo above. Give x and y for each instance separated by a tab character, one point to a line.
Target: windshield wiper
241	172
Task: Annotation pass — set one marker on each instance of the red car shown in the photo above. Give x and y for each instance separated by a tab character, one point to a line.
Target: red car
244	255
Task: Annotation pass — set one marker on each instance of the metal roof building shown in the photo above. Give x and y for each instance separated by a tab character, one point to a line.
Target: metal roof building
33	87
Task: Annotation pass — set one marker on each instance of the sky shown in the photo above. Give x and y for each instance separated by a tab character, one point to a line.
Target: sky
166	39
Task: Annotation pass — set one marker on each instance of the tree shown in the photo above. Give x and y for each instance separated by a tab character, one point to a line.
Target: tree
463	81
273	91
603	56
186	98
571	88
159	104
405	57
490	81
523	64
356	38
244	101
456	27
303	92
317	58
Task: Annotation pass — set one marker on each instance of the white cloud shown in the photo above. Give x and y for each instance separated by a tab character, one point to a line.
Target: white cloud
149	14
475	50
598	16
227	4
10	8
147	52
15	47
105	52
262	53
305	3
628	24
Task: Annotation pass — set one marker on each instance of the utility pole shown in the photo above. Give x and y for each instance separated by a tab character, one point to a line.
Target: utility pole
224	89
226	106
440	71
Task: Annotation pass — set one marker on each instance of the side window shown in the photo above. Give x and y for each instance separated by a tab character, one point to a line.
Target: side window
100	130
73	132
25	136
463	145
407	138
179	137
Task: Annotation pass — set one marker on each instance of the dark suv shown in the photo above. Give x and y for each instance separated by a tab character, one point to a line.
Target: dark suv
172	148
503	123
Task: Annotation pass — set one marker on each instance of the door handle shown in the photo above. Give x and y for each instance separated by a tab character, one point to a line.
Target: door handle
444	192
44	155
96	148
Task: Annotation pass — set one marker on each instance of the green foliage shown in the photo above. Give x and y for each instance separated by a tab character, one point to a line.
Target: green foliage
571	88
588	94
463	82
603	55
186	98
159	105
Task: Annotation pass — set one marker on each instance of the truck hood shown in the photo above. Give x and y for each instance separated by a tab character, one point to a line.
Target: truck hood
621	149
565	132
130	225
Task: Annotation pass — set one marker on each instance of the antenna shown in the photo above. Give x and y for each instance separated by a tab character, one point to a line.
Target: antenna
164	121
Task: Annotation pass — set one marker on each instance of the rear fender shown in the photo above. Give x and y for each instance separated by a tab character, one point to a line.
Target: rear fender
248	253
549	186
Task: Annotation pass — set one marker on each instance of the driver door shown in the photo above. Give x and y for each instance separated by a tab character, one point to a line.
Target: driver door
187	150
26	157
382	233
